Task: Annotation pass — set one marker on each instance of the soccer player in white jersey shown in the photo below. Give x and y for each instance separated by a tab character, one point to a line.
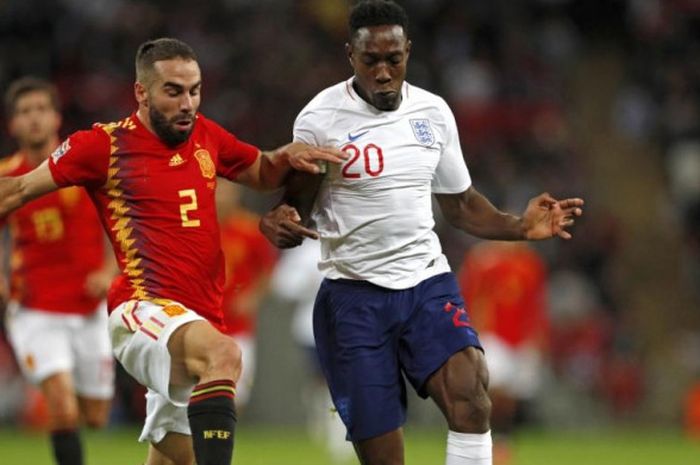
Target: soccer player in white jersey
390	306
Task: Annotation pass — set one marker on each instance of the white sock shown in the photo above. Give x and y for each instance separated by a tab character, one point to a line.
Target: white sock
469	449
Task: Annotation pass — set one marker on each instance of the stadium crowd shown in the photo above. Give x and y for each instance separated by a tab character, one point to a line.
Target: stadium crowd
504	67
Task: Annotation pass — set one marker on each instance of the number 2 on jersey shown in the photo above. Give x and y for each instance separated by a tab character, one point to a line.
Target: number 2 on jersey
191	194
370	152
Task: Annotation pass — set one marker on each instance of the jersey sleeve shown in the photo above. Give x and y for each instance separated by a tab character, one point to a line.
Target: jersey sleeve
234	154
451	175
307	128
82	159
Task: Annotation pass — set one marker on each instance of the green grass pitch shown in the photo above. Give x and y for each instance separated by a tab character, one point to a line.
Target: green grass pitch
280	446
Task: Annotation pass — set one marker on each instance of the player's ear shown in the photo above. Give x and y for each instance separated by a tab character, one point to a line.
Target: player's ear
348	51
141	93
408	47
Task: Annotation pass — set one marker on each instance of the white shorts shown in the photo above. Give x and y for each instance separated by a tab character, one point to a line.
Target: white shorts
46	343
140	332
516	370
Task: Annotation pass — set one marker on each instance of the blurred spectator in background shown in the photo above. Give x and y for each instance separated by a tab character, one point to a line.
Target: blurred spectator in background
250	260
57	319
504	285
296	281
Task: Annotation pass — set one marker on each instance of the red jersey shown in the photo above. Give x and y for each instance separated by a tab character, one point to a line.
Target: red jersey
157	204
57	242
504	286
249	262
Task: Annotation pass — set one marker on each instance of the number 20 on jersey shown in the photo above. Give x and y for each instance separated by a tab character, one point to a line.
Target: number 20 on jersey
372	163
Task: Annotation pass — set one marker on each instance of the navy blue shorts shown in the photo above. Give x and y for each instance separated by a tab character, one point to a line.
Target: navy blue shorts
367	336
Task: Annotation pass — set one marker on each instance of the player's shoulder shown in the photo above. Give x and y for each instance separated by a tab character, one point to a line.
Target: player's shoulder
126	124
208	125
329	99
10	166
425	97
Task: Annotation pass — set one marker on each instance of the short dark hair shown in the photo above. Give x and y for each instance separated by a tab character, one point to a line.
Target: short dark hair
164	48
377	13
25	85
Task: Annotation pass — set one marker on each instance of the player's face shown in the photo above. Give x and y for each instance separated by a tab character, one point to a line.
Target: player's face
35	121
173	99
379	55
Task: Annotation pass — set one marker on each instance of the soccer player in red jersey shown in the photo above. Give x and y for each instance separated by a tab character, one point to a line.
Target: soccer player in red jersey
152	177
59	276
504	285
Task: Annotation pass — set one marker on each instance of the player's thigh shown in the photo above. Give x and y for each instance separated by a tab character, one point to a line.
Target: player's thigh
92	351
41	342
437	330
140	334
173	449
460	389
201	352
59	392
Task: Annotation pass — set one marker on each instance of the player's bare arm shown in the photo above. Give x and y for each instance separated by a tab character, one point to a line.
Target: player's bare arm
16	191
285	225
272	167
543	218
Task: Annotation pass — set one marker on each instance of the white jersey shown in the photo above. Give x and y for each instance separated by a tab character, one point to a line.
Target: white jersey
374	213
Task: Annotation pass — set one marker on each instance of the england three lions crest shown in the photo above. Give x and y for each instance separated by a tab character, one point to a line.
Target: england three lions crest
423	131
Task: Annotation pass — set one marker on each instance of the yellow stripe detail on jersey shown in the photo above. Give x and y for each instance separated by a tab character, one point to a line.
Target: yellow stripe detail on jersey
120	210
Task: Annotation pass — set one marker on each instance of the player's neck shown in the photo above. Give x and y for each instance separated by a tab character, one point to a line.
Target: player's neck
142	115
363	95
36	155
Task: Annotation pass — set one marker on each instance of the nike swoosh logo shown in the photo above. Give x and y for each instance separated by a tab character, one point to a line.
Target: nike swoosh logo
353	138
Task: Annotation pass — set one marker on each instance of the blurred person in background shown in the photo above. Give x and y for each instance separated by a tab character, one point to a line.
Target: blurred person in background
59	276
389	305
296	280
152	177
250	260
504	285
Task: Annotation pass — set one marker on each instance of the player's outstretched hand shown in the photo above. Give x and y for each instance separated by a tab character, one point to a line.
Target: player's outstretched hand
282	227
547	217
312	159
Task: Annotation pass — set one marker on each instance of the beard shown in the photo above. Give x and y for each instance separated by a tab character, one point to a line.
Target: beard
166	130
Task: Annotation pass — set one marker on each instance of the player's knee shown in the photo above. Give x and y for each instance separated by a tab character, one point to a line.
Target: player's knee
224	359
63	413
96	420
